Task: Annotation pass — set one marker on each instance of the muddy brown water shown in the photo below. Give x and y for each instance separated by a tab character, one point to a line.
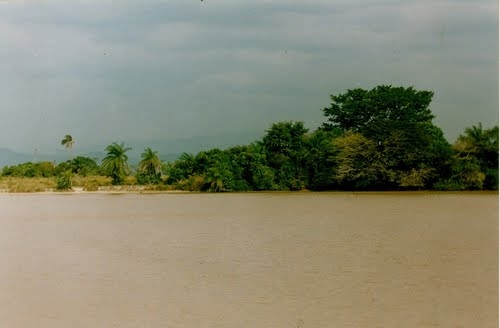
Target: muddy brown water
249	260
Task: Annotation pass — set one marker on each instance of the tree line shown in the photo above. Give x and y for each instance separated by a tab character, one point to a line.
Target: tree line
378	139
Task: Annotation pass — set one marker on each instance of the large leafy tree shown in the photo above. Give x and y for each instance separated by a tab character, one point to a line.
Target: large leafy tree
150	166
68	141
80	165
412	150
115	163
360	109
85	166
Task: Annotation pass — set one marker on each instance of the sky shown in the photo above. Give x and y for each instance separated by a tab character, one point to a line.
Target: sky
138	71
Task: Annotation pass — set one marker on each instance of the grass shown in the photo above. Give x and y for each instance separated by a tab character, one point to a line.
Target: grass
92	183
10	184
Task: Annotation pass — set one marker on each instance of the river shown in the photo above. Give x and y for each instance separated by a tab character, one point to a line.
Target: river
298	260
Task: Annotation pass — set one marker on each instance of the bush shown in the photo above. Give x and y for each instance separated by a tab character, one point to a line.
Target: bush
64	181
195	182
297	184
147	179
91	185
448	185
130	180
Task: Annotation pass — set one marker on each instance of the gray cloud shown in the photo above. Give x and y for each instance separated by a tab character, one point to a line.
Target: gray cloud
176	69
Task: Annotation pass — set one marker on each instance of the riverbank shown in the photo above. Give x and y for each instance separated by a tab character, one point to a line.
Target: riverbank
81	191
41	189
97	184
103	185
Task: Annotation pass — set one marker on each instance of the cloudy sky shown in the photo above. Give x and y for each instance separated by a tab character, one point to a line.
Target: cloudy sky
163	70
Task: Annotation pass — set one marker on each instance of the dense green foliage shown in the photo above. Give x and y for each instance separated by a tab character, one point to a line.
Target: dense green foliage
83	166
30	170
474	163
361	110
379	139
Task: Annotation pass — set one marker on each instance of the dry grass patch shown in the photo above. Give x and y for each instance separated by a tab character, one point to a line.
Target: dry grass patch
11	184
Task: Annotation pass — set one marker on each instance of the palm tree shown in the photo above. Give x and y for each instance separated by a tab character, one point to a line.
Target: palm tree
214	179
478	141
68	142
476	154
115	163
150	163
187	163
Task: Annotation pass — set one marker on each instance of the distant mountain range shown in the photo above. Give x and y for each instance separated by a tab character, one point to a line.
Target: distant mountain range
9	157
169	150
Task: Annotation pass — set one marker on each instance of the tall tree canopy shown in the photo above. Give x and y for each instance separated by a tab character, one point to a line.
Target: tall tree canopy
358	109
399	122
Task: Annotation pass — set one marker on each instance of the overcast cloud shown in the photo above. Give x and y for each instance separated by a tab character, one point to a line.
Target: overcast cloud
162	70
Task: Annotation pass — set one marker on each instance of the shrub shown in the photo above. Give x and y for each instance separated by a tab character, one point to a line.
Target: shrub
130	180
91	185
64	181
297	184
147	179
195	182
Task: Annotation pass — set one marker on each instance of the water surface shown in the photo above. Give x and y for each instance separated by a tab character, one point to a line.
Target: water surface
249	260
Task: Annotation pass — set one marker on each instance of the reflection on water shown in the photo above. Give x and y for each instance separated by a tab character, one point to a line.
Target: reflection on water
249	260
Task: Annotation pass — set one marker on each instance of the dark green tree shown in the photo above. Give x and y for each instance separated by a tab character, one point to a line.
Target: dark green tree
81	165
249	168
284	147
359	109
412	150
320	167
